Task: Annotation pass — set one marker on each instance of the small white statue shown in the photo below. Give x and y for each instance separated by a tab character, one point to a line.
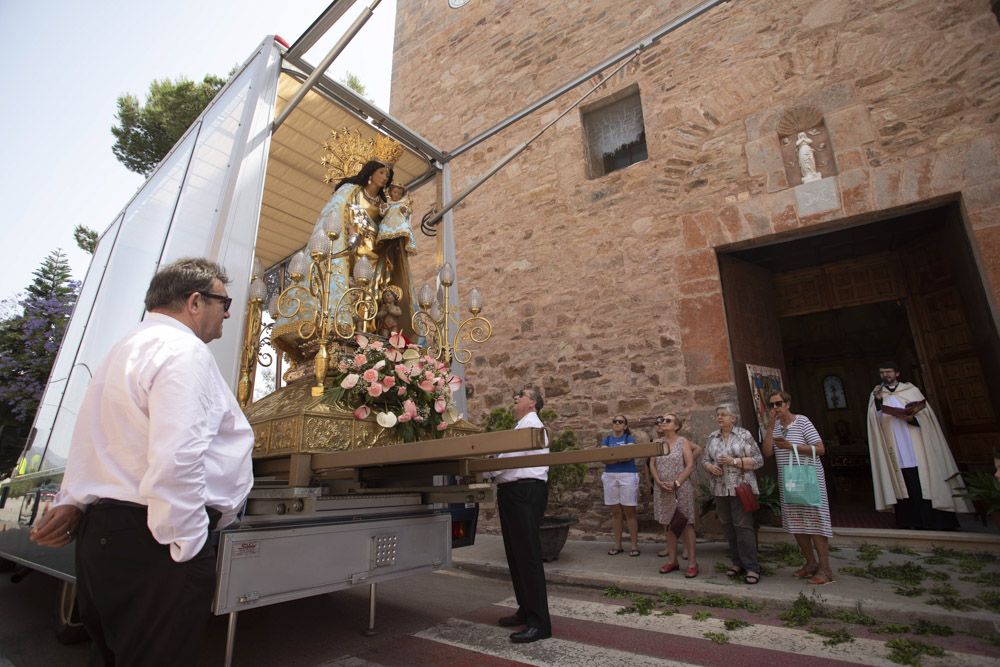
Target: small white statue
807	159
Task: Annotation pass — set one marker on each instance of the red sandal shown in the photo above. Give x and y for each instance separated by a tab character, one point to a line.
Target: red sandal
667	568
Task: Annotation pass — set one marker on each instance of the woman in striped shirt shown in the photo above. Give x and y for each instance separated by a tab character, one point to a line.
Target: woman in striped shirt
809	525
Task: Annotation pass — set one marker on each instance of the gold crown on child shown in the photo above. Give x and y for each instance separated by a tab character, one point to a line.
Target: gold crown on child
347	151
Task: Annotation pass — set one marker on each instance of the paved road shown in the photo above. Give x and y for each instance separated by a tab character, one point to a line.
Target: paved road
448	618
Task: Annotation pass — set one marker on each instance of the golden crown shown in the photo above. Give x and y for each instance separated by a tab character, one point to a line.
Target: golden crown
347	151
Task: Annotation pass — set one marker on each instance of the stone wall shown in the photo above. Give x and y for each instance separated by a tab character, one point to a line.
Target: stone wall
606	292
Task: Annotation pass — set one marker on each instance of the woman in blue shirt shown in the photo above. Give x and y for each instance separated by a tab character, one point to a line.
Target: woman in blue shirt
621	486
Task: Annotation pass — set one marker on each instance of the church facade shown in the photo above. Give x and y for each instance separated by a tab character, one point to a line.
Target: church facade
808	187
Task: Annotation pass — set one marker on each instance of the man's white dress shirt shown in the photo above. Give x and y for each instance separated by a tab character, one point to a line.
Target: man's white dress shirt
160	427
529	420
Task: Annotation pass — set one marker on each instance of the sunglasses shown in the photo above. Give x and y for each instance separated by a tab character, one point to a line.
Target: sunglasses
617	421
226	300
664	420
776	404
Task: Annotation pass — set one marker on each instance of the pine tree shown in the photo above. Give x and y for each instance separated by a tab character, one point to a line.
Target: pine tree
29	341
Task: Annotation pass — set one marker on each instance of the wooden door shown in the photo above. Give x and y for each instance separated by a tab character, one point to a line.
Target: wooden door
754	331
954	353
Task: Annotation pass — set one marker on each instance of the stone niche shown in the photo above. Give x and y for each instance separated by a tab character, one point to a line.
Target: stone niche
805	125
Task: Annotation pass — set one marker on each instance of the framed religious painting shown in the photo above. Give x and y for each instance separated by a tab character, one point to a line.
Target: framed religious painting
764	381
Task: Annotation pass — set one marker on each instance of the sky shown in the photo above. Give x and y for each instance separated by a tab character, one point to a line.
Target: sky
68	61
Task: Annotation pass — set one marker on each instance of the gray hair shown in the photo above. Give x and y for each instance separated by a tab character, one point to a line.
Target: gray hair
175	282
730	409
536	394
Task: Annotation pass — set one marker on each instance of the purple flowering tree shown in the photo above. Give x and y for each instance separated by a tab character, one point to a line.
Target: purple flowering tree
30	339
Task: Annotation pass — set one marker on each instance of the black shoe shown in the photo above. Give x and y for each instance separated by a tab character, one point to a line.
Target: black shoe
529	635
511	621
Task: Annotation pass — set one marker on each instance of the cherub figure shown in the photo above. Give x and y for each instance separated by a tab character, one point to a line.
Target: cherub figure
389	311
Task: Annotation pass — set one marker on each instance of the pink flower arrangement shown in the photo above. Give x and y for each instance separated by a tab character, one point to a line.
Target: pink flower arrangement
407	391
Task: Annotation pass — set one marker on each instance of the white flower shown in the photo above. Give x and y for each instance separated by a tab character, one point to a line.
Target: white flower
386	419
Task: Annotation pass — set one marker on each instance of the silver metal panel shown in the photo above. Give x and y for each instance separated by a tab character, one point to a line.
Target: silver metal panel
27	499
267	566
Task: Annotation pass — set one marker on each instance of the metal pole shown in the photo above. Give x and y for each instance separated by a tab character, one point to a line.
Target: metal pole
517	151
448	250
230	638
649	40
370	631
325	64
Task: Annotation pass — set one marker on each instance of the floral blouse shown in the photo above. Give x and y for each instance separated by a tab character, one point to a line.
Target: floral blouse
739	444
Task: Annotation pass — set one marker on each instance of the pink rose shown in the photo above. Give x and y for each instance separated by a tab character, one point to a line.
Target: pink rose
442	426
342	366
439	405
401	391
362	412
388	381
377	345
428	375
370	375
375	390
350	381
360	360
426	385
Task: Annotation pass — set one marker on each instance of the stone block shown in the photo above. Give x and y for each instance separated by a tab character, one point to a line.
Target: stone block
705	340
981	162
915	180
981	197
850	127
855	191
764	155
817	197
782	210
885	189
849	159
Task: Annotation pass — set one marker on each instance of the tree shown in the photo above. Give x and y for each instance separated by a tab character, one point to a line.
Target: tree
353	81
146	132
29	341
86	238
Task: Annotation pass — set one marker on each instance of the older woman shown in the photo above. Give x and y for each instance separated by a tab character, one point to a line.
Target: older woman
731	456
809	525
672	491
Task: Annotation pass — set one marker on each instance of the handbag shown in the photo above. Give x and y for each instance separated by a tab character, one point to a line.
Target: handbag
747	498
799	480
678	522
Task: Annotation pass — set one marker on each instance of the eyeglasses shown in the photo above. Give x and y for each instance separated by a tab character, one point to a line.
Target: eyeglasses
226	300
776	404
664	420
617	421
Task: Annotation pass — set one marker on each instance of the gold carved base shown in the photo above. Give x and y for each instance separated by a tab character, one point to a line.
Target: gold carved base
293	421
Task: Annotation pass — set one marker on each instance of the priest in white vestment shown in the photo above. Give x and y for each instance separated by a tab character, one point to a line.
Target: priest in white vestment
913	469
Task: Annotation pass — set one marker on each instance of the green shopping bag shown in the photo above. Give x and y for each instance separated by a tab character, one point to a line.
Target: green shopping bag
800	481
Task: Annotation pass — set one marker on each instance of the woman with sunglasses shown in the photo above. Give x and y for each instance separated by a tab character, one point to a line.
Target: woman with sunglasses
809	525
673	492
621	487
731	456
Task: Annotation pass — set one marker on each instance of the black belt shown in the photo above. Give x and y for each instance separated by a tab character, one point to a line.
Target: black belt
213	514
524	480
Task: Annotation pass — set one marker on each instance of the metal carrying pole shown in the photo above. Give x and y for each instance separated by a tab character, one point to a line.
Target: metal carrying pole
324	64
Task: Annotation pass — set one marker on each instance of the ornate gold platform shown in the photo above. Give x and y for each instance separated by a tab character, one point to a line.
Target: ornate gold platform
292	421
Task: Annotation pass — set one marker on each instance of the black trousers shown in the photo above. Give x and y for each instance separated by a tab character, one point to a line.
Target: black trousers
521	505
916	511
138	605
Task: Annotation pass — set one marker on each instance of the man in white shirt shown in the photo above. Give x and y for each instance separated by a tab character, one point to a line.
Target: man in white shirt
160	459
912	466
522	494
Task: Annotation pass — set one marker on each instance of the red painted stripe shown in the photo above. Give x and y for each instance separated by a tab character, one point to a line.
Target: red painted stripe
659	645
